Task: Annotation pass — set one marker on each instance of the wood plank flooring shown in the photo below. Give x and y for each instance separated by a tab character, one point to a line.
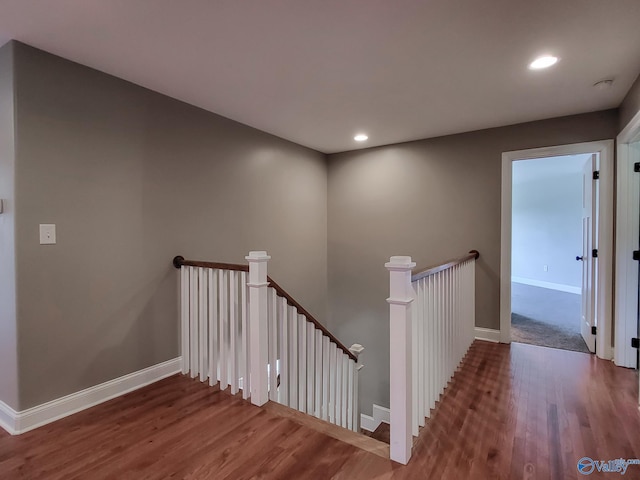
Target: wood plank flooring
511	412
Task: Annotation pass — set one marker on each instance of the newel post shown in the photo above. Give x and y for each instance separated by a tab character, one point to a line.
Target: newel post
258	326
400	299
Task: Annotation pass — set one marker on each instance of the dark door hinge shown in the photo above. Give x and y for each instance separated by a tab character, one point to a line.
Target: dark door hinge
594	329
636	254
596	175
594	253
636	167
635	342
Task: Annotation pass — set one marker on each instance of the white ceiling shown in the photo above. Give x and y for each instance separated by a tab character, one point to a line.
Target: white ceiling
318	71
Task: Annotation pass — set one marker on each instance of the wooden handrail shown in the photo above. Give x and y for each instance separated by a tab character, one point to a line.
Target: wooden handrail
180	261
425	272
291	301
281	292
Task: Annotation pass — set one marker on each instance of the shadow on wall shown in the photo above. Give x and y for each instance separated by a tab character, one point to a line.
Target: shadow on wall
130	334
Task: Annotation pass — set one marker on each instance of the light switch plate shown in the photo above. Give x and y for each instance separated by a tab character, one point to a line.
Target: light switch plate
47	234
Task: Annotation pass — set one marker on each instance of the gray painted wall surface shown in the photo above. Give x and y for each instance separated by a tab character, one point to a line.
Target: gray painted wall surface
630	105
432	199
547	219
8	334
132	178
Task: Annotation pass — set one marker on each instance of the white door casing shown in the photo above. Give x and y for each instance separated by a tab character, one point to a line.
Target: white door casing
604	236
627	227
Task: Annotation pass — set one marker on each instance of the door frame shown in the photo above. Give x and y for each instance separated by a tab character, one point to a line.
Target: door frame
627	225
604	243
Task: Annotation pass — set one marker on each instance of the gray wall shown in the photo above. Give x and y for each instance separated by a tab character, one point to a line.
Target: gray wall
547	219
432	199
8	338
132	178
630	105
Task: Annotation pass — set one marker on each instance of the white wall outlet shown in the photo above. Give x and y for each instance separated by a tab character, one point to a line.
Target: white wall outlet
47	234
545	268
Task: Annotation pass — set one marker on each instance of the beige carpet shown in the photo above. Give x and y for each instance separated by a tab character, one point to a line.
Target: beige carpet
546	317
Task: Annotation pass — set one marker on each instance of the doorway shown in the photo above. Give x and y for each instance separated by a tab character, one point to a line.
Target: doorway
597	310
553	219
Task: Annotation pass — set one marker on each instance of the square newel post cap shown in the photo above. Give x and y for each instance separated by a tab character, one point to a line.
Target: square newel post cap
258	256
400	263
356	349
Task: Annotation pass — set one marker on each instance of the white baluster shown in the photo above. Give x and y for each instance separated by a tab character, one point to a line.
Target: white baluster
325	378
473	295
302	364
333	353
344	409
234	338
415	368
193	294
212	305
350	397
202	292
273	345
258	325
246	351
338	402
318	375
224	328
311	357
184	308
432	344
283	391
441	333
293	356
400	300
356	400
418	313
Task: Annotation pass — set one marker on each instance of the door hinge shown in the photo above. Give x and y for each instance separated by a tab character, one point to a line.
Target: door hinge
594	329
594	253
636	254
635	342
636	167
596	175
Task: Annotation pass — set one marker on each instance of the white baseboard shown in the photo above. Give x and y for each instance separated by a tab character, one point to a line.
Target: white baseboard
553	286
20	422
7	418
368	423
380	415
487	334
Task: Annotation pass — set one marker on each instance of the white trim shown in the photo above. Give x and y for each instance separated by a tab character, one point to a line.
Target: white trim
368	423
380	415
487	334
627	227
604	242
551	286
8	418
24	421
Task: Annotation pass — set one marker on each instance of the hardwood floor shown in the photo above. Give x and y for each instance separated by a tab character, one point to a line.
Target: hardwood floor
516	411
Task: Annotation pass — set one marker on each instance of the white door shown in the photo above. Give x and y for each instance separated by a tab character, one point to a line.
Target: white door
589	219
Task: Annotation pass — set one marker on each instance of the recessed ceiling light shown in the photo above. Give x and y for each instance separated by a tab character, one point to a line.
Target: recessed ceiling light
543	62
361	137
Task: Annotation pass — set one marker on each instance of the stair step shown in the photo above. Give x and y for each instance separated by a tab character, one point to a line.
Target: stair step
382	433
358	440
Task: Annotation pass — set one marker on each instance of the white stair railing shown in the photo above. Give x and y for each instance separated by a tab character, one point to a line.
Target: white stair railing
214	325
244	331
432	320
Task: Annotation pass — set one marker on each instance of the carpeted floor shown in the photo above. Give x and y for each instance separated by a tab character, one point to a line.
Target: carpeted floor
545	317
